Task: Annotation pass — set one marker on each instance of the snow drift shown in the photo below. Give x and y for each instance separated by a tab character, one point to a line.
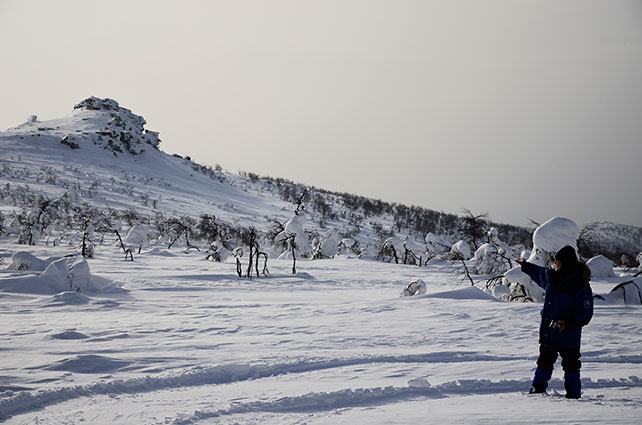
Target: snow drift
68	274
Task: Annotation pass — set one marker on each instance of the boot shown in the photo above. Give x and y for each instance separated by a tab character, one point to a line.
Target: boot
540	381
572	384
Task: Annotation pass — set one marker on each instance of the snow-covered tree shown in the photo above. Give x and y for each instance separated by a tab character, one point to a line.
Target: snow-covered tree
292	240
460	250
436	245
493	257
349	245
137	237
473	227
325	246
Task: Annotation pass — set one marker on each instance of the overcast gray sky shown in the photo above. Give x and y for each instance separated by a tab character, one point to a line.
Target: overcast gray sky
515	108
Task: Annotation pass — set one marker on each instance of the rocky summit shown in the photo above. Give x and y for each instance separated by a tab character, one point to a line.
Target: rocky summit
122	132
100	122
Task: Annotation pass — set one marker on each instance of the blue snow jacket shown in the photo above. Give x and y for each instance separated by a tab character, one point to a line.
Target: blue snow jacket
568	297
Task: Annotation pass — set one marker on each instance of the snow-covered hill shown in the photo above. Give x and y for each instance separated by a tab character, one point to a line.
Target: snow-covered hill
101	154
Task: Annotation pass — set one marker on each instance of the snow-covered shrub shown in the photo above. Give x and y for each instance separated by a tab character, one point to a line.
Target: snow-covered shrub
412	252
601	267
436	245
60	275
23	260
493	257
137	237
217	253
626	293
461	250
71	274
292	239
521	287
325	246
349	245
502	292
391	249
416	287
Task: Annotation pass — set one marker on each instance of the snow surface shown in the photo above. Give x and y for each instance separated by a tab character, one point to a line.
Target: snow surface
186	341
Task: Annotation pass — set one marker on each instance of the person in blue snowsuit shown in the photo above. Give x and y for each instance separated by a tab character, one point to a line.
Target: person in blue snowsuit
568	305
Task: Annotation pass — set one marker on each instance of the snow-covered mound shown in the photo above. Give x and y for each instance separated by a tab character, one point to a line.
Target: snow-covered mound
516	275
23	260
601	267
65	277
467	293
67	298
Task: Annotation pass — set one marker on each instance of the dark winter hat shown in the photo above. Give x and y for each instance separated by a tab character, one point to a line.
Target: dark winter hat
566	255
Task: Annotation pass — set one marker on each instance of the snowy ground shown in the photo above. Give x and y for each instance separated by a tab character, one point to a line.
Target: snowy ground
189	342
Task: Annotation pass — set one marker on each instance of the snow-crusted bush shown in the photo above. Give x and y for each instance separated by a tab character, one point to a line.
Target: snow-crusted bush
626	293
137	238
217	253
436	245
493	257
71	274
460	250
520	286
23	260
416	287
349	246
292	240
390	250
601	267
325	246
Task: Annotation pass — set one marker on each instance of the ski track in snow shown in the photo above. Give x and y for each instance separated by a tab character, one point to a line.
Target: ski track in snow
25	401
417	389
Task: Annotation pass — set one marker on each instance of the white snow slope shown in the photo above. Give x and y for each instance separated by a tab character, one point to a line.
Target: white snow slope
32	155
